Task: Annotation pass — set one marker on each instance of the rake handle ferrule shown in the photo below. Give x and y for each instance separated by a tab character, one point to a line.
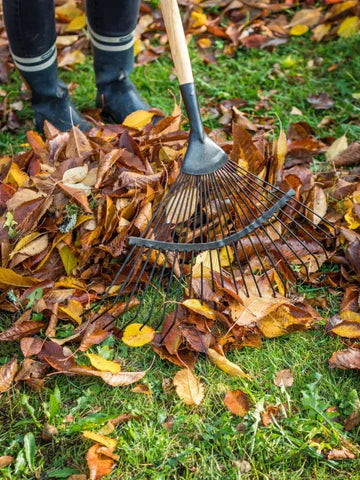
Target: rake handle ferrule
188	93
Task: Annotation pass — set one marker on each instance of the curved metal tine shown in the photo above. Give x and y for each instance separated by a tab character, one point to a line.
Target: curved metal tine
175	186
180	233
230	178
168	226
119	293
207	200
234	195
257	179
247	190
198	195
214	227
222	202
241	178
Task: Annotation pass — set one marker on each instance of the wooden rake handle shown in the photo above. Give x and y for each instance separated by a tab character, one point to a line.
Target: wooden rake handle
177	40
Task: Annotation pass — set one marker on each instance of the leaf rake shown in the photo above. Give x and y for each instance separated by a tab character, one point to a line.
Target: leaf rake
219	227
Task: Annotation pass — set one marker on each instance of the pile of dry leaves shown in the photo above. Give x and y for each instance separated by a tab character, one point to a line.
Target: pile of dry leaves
236	23
67	207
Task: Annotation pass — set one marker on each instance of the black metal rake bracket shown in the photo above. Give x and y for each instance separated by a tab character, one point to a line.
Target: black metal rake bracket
199	247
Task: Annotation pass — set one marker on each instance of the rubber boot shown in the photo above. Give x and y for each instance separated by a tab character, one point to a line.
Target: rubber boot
113	63
50	96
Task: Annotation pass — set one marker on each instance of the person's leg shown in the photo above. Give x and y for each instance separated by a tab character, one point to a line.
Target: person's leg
111	25
31	30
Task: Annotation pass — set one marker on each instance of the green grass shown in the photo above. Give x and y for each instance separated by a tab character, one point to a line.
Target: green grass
207	442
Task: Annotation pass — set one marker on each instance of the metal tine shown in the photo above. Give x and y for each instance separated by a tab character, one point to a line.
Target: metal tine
182	264
234	195
174	187
177	253
242	178
207	200
228	179
257	179
213	223
220	195
168	225
198	196
249	191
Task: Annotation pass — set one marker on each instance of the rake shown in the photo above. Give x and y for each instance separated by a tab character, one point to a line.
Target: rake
219	227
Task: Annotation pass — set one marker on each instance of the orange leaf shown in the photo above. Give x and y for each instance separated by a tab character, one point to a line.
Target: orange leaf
237	402
98	463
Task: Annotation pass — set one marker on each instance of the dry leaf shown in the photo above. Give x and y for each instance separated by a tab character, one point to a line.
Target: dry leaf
137	335
188	387
6	460
284	378
224	364
7	375
108	442
237	402
102	364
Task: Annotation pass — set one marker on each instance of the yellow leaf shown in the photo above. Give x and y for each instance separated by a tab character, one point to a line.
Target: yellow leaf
281	322
138	119
347	329
77	23
348	27
282	149
351	219
138	47
204	42
299	30
320	31
225	365
350	316
69	10
279	283
211	259
8	278
68	258
15	176
24	241
74	310
137	335
102	364
338	146
188	387
198	19
108	442
200	308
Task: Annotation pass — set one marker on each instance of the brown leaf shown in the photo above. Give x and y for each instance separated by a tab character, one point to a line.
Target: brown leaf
345	359
31	346
6	460
31	369
342	454
20	330
199	341
237	402
352	421
99	464
7	374
188	387
141	388
284	378
348	157
321	101
49	431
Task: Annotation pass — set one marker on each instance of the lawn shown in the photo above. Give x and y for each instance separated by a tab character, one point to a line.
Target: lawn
167	439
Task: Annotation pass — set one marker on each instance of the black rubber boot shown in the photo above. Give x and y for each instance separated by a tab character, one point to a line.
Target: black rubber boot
116	94
51	100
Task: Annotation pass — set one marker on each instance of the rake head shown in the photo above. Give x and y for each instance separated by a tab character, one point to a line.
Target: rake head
226	230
